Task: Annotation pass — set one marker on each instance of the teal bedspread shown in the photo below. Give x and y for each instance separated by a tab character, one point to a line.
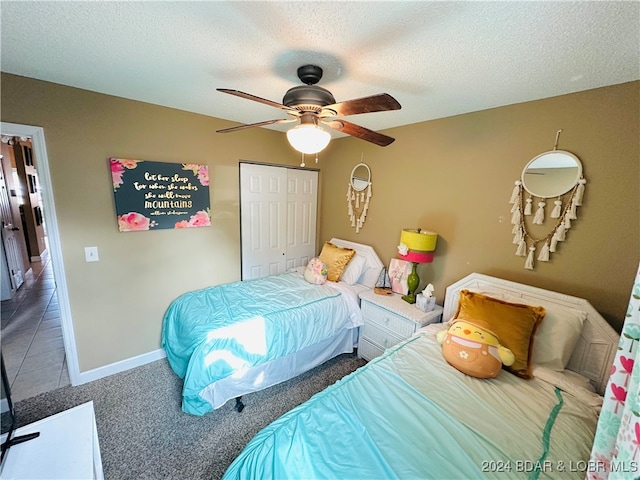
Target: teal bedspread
216	332
408	414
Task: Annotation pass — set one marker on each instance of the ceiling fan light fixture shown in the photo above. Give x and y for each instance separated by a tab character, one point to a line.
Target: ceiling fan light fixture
308	138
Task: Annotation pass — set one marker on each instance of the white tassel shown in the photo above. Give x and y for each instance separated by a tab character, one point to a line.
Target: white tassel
369	191
567	222
516	192
544	253
522	249
515	229
357	201
573	214
557	209
529	263
539	217
517	237
527	208
580	191
561	233
554	243
515	207
516	217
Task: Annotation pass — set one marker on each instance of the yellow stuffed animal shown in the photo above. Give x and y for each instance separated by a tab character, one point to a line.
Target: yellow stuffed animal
472	348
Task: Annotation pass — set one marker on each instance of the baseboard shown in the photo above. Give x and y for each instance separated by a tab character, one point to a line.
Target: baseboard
124	365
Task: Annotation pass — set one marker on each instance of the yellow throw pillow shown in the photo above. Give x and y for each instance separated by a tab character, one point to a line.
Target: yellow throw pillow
513	323
336	259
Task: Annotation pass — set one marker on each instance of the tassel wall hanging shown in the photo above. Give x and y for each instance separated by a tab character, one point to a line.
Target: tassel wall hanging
554	174
358	195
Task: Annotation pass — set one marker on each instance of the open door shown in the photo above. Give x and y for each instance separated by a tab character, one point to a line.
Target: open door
12	252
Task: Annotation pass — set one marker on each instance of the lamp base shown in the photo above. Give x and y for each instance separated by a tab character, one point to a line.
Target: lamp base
412	282
409	298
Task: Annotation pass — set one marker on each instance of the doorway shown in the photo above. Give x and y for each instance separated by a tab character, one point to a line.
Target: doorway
37	334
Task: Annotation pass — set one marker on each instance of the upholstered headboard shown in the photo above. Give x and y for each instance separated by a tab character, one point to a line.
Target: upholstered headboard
373	266
596	347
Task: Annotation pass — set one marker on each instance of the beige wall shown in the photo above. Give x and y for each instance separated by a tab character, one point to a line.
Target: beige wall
117	304
455	176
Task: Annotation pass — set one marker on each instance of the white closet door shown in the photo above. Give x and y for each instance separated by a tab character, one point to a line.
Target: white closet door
302	206
263	199
278	218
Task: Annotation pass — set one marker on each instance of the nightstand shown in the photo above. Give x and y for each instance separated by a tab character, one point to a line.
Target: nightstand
388	320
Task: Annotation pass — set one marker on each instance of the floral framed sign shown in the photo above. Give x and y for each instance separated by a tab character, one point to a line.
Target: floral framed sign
158	195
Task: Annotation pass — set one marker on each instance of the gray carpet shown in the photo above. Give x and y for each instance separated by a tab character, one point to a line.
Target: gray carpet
144	434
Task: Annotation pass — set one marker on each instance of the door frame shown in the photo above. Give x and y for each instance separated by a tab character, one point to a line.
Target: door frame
53	236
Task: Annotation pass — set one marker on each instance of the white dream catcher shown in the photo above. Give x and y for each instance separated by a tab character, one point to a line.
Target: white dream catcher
358	195
554	174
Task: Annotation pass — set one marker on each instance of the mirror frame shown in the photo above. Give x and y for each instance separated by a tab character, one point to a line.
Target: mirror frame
366	180
563	190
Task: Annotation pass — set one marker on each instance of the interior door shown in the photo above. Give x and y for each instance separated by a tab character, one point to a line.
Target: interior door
278	211
263	198
302	207
12	252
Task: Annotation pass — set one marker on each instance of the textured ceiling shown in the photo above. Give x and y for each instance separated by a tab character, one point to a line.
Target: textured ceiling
436	58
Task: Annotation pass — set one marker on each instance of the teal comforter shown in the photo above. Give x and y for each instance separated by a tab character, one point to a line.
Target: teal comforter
216	332
408	414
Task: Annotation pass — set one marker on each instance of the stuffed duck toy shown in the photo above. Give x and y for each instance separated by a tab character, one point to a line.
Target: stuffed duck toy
469	346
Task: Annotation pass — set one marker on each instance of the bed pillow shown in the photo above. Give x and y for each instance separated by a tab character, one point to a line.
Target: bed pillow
513	323
557	336
354	269
336	259
316	272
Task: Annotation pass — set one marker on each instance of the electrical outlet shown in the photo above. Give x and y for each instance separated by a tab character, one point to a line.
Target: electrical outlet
91	254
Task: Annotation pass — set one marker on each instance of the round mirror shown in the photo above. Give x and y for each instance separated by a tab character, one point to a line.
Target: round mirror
551	174
360	177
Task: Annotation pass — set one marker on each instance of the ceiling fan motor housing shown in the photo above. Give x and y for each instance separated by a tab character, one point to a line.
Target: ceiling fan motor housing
311	96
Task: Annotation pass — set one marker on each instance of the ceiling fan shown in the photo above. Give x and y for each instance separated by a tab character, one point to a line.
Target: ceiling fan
313	105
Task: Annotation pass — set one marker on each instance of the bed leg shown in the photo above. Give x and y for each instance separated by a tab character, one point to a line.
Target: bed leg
239	404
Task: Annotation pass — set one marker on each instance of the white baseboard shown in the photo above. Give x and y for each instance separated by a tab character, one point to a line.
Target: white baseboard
121	366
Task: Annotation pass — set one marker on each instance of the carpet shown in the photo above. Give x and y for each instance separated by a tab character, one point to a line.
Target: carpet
144	434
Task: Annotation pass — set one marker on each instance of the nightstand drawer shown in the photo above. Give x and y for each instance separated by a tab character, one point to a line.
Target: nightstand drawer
368	350
380	336
388	320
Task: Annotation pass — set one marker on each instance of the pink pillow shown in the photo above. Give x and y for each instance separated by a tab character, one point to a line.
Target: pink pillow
316	272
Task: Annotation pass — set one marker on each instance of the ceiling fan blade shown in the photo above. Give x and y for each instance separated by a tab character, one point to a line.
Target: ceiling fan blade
248	96
375	103
259	124
360	132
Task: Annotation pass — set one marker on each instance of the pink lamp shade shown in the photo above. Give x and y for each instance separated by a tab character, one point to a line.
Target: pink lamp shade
417	245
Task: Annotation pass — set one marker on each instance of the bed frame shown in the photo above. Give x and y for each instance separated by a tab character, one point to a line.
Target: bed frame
597	346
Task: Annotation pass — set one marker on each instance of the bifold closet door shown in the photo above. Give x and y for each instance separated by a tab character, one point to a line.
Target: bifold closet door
278	208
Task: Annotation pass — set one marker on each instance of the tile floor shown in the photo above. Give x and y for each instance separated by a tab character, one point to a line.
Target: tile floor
31	335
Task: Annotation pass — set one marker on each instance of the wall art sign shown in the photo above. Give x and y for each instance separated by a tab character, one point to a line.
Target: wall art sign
159	195
399	271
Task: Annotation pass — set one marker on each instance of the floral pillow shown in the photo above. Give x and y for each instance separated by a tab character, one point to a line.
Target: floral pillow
316	272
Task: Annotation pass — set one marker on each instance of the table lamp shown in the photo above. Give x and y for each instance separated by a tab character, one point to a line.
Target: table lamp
416	246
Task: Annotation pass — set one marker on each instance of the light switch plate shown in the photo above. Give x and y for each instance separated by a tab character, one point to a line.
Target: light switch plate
91	254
